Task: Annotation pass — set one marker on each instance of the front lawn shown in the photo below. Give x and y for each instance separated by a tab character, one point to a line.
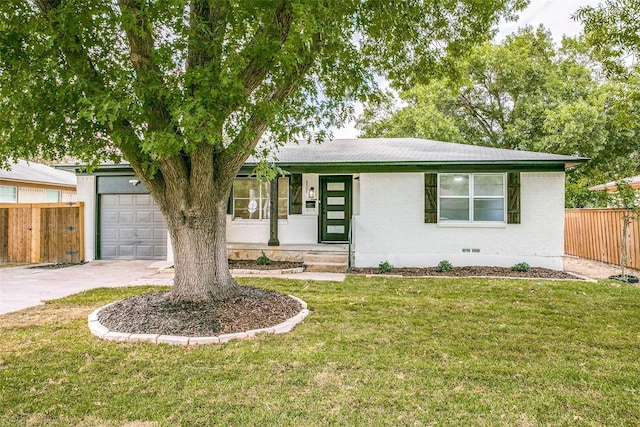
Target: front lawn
374	351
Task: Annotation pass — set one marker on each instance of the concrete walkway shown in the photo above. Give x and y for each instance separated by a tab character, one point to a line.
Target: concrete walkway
22	287
593	269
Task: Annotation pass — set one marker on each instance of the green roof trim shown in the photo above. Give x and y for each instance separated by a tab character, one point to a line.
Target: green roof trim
372	167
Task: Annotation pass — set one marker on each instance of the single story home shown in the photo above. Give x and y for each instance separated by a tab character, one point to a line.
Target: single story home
612	187
30	182
411	202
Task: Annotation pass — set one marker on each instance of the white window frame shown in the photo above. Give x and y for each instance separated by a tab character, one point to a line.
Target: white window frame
15	194
260	208
48	192
471	197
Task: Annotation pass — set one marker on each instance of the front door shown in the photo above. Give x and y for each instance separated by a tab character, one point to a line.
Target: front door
335	208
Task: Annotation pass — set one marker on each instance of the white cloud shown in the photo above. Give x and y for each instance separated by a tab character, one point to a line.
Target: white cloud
555	15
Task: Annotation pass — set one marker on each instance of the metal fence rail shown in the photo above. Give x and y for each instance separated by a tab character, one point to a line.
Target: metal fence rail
41	232
597	234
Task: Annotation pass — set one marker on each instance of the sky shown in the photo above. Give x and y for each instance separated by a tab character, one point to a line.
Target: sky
554	14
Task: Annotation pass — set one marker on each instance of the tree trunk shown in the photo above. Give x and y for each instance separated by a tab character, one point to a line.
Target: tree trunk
626	221
200	256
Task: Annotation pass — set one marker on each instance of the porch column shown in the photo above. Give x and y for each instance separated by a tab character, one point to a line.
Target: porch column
273	214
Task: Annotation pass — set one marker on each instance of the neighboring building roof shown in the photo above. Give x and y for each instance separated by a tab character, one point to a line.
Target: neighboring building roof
409	152
634	181
23	171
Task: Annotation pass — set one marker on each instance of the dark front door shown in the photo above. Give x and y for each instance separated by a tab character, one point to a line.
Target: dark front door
335	208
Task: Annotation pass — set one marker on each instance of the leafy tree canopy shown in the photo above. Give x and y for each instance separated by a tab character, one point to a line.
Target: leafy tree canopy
613	30
185	89
525	94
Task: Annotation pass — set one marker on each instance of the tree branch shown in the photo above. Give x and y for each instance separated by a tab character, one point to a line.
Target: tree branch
78	59
257	68
205	45
249	136
149	75
468	105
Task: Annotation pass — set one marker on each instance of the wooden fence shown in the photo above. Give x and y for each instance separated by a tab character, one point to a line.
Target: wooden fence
597	234
42	232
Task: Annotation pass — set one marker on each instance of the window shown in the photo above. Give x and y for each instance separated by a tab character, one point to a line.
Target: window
471	197
8	194
295	194
52	196
251	198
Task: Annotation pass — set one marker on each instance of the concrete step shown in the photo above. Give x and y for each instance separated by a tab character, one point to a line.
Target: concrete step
326	267
329	261
320	257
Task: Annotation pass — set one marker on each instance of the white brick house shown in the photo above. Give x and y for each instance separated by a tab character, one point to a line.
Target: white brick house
411	202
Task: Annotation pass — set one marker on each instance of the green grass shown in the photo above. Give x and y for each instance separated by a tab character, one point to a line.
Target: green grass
374	351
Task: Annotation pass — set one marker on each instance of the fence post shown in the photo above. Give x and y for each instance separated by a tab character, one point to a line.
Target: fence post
81	229
35	234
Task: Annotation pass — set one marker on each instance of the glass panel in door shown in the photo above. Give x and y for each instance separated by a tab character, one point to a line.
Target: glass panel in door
335	208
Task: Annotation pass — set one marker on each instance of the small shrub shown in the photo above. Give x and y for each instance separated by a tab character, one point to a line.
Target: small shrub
523	266
444	266
385	267
263	259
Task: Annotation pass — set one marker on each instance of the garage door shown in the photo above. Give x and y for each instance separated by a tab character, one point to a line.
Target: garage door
131	227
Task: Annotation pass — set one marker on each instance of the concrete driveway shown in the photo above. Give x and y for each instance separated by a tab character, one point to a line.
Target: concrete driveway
22	287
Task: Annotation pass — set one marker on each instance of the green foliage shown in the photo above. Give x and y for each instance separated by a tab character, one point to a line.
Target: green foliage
185	90
612	29
95	78
627	199
385	267
521	266
444	266
526	94
263	259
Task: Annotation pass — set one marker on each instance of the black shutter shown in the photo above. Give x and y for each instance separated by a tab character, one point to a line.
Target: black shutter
431	198
513	198
295	194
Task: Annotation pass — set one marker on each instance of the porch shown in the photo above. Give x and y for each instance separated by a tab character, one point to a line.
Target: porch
316	257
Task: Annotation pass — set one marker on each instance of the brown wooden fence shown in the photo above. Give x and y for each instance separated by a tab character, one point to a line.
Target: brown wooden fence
42	232
597	234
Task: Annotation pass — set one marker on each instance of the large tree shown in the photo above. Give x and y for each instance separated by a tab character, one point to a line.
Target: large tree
524	93
612	33
501	97
184	90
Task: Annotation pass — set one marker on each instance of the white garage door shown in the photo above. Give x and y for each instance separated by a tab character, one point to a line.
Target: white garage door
131	227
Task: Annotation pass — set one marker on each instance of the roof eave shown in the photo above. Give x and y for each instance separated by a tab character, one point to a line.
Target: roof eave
421	166
35	182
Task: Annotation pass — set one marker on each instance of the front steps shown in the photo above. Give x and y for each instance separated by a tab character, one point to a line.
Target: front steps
327	262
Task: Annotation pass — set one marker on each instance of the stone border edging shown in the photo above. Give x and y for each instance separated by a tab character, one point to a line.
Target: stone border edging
103	332
578	278
294	270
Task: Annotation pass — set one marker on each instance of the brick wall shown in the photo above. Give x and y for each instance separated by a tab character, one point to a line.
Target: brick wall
391	226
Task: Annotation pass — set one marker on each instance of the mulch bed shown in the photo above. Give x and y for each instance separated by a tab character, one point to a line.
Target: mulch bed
243	264
155	313
534	272
253	308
